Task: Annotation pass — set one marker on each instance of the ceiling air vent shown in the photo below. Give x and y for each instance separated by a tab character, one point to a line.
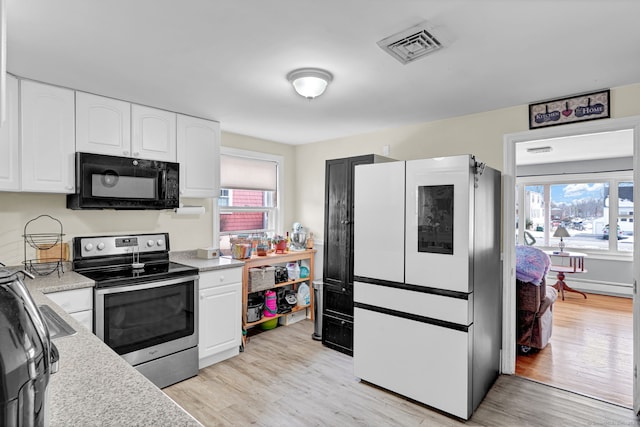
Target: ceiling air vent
410	44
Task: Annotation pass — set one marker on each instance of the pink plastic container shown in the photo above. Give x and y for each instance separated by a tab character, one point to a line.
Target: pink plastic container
270	304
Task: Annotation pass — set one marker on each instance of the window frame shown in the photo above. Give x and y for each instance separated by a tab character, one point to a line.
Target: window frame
613	179
276	210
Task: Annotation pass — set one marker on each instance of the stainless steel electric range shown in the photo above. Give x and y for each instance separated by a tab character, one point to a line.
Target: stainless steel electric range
145	307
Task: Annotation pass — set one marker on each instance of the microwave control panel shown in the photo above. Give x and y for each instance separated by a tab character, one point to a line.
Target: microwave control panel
172	188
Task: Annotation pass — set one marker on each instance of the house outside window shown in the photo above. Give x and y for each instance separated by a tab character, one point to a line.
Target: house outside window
584	205
249	201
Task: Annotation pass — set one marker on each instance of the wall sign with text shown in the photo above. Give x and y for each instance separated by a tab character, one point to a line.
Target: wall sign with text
574	109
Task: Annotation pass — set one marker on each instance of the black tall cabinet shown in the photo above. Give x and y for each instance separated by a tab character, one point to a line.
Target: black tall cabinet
337	320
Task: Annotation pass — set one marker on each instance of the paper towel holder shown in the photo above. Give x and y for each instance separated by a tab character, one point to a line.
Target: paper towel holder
189	210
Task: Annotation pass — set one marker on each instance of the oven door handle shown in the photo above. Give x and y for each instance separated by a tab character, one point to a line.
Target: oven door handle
146	285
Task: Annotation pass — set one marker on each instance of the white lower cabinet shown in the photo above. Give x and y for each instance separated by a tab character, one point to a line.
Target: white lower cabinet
220	327
85	318
78	303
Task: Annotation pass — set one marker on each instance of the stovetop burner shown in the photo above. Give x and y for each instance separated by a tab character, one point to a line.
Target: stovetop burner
116	276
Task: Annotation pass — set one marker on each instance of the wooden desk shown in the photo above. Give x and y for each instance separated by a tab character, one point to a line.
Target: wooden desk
575	265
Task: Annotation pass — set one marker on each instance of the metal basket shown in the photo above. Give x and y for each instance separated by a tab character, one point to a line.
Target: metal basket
261	278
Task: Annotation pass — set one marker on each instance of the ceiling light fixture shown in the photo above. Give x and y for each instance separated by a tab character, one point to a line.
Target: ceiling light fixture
309	82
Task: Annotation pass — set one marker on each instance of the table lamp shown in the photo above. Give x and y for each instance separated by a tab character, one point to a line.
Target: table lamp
561	232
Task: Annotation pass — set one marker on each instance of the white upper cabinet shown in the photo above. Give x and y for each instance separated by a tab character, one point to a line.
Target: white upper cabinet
48	138
118	128
199	156
103	125
154	133
9	141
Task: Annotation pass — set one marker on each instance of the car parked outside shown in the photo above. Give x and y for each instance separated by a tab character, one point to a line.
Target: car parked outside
605	232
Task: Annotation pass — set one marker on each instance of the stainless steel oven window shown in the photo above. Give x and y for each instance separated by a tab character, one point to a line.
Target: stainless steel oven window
146	321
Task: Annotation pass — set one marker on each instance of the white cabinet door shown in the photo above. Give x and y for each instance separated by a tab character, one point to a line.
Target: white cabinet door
9	141
74	300
48	138
199	156
103	125
220	320
85	318
154	133
78	303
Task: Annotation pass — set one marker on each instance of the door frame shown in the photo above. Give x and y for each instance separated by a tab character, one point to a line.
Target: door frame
508	362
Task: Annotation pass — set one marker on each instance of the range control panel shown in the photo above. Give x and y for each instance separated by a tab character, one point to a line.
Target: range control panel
118	245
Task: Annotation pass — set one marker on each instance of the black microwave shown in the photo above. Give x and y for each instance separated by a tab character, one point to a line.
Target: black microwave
110	182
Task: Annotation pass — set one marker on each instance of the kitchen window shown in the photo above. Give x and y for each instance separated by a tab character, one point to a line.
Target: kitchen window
250	197
585	205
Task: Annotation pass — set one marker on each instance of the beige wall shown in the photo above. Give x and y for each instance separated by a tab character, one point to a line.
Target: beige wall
16	209
303	187
479	134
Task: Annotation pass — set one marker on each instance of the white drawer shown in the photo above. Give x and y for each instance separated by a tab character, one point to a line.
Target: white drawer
427	363
439	307
74	300
209	279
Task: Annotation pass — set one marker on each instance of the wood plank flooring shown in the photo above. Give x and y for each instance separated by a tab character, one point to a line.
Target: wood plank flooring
284	378
590	351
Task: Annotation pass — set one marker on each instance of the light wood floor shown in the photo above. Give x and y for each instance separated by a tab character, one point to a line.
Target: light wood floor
590	351
284	378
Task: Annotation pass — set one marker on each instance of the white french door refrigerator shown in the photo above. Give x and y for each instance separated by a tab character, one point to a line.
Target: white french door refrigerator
427	286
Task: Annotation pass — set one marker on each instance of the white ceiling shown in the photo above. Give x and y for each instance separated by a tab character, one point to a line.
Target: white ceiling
227	60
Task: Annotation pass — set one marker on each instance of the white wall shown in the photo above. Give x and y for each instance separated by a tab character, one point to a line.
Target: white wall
603	276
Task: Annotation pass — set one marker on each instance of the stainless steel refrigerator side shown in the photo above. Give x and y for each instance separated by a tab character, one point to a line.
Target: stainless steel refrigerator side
487	338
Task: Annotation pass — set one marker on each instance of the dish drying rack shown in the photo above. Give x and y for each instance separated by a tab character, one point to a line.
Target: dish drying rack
49	249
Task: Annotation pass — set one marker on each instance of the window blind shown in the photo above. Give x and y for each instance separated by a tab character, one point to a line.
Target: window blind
248	174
